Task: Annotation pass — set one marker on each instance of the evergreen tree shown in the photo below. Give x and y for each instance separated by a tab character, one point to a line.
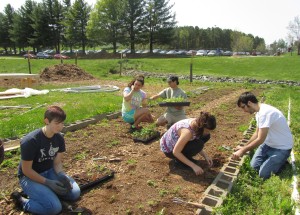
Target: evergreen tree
75	24
4	35
8	19
160	22
42	36
134	20
22	26
106	23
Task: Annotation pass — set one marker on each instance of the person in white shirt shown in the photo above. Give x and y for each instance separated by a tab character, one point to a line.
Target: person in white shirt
273	137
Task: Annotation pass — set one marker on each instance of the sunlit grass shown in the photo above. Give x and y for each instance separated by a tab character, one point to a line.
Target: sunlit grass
285	67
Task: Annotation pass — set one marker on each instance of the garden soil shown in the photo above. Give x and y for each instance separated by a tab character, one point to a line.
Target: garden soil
145	181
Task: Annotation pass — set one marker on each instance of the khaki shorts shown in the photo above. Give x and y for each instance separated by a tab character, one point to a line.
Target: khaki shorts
170	118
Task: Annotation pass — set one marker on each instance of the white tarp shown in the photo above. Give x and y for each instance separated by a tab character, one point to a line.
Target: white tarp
16	93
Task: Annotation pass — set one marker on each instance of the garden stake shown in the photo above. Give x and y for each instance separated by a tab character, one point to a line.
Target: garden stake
181	201
96	182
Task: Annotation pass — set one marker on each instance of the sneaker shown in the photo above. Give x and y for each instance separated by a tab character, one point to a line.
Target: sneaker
132	129
18	199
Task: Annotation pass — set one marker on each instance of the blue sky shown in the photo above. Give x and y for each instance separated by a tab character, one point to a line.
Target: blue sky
267	19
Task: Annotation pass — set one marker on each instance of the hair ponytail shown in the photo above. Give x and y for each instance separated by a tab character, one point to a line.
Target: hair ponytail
205	120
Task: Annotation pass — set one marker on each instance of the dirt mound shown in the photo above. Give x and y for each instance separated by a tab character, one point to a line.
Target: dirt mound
64	72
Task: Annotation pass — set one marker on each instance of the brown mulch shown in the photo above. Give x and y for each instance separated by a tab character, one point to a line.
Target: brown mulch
65	72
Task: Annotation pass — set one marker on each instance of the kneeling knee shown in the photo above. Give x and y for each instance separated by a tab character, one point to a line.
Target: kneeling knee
264	175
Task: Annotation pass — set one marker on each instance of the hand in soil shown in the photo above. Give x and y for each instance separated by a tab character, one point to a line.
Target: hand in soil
209	162
65	181
238	154
198	170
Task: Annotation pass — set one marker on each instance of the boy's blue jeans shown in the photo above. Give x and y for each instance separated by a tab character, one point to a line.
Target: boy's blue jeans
267	160
42	200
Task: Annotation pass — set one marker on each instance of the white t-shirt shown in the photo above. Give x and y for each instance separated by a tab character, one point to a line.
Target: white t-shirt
279	135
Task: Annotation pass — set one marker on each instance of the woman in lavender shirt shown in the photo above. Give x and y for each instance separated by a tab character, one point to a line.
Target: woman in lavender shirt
186	138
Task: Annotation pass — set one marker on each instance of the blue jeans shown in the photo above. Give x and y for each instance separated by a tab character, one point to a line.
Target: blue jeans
267	160
42	200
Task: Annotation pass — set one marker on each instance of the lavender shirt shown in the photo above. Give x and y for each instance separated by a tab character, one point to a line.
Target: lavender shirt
170	138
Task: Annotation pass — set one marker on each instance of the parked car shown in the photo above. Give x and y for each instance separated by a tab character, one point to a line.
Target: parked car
181	52
61	56
171	52
227	53
42	55
163	52
212	53
201	53
31	56
191	52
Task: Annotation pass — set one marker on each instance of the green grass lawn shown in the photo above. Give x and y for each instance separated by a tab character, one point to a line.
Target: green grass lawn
285	67
78	106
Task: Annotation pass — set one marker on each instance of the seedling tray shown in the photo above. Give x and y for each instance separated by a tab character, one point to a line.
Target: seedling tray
148	139
168	104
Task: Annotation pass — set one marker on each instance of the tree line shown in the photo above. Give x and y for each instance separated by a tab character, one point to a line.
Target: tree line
128	23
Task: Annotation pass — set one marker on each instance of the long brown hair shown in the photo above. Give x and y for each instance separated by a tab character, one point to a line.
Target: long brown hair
205	120
139	78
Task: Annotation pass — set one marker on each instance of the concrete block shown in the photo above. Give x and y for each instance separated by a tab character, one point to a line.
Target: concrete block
204	211
225	185
223	181
244	140
239	161
79	125
211	201
100	117
229	178
212	190
114	115
230	170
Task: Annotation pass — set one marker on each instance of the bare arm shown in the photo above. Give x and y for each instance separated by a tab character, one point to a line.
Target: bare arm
128	96
33	175
257	138
30	173
58	163
155	97
207	158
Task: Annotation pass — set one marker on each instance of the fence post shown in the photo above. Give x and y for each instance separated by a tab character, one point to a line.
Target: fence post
28	58
191	69
121	62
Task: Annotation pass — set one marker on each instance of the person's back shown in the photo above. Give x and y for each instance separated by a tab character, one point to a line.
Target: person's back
279	134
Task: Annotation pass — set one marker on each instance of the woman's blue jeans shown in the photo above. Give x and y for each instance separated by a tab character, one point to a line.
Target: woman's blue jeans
42	200
267	160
